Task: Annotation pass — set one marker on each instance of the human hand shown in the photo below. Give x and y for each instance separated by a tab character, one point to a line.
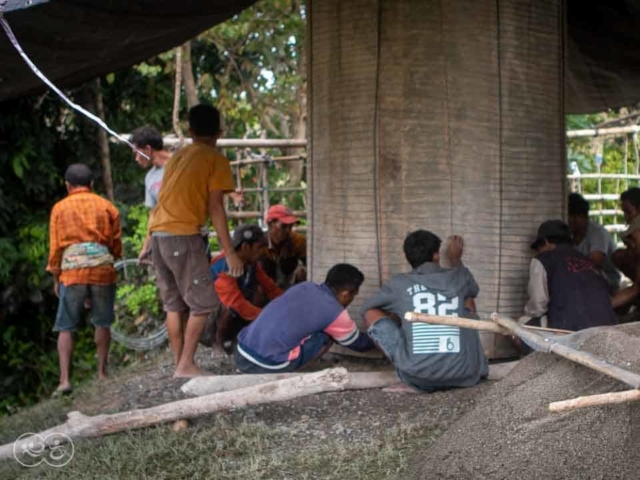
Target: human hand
236	267
56	288
455	249
238	198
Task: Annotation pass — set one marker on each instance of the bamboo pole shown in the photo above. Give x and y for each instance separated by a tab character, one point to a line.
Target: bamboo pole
610	398
258	161
549	345
599	132
243	215
473	324
82	426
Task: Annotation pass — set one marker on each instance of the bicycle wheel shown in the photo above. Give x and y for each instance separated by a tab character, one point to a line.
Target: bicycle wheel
139	323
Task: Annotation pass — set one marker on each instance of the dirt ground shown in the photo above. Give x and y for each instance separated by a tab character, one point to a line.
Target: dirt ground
353	434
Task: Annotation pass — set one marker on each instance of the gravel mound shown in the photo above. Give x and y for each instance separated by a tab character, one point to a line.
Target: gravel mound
512	435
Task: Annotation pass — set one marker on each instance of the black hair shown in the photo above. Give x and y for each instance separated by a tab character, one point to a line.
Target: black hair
78	175
204	121
578	205
147	135
420	247
632	196
558	239
344	276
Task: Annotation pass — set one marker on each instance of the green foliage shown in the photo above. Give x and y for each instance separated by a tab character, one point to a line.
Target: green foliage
137	299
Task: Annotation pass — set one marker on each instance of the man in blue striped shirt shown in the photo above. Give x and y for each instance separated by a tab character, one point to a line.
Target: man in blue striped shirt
302	324
428	357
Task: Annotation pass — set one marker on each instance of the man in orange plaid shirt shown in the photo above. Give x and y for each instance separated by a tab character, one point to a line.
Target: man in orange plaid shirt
84	240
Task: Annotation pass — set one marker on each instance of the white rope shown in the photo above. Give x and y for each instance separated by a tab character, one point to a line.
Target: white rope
91	116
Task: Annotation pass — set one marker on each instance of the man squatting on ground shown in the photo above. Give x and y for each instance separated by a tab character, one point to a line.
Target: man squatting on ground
195	181
240	296
565	286
284	257
148	140
428	357
302	324
85	238
627	259
593	241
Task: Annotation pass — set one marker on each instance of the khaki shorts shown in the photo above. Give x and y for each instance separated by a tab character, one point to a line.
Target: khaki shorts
184	280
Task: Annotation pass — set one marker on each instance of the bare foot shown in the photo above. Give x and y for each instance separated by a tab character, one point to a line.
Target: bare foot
63	389
218	352
103	376
189	372
399	388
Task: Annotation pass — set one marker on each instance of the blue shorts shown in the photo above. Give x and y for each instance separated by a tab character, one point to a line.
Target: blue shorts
309	350
71	306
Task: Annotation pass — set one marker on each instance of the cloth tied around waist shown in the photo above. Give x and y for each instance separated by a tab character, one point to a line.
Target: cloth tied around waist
86	255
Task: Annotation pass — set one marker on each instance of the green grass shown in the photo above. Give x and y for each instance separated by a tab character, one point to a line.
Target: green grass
227	450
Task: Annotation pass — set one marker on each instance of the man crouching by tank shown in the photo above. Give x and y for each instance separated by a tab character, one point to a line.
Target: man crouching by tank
242	297
302	324
428	357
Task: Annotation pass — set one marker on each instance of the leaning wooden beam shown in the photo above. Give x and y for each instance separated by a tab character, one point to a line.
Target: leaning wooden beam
80	426
595	400
472	324
549	345
225	383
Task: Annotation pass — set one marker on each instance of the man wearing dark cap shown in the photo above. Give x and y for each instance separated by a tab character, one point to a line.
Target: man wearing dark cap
239	295
84	240
564	285
284	258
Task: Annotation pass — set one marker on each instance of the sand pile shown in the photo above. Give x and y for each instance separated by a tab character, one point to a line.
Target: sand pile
512	435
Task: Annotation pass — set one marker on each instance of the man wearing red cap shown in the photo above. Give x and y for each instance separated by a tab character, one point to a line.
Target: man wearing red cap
284	258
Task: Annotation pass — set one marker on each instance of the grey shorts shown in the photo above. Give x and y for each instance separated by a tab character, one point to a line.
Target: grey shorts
184	279
71	307
386	334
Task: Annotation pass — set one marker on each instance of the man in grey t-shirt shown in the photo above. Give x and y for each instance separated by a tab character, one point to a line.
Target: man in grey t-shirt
428	357
592	240
148	140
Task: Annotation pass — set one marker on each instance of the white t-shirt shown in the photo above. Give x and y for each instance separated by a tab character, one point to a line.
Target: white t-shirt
152	184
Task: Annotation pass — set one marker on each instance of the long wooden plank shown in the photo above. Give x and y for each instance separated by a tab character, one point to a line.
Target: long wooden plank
549	345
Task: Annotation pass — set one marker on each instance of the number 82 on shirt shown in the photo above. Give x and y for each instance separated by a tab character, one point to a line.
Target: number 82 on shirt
430	338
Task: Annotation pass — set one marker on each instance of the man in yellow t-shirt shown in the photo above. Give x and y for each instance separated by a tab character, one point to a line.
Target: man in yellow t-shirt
195	181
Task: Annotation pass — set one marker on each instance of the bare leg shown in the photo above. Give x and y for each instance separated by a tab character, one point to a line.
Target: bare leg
102	337
222	327
175	329
65	352
399	388
186	366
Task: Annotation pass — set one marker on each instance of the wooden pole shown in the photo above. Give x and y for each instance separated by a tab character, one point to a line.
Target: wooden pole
473	324
595	400
226	383
80	426
548	345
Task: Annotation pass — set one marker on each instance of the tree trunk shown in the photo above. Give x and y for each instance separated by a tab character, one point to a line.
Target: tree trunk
226	383
79	425
103	144
176	96
187	76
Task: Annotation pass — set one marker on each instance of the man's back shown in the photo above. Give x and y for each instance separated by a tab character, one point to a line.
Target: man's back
304	309
433	355
189	176
578	294
84	217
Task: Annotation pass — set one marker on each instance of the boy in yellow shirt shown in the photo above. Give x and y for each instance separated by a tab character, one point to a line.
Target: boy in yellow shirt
195	181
